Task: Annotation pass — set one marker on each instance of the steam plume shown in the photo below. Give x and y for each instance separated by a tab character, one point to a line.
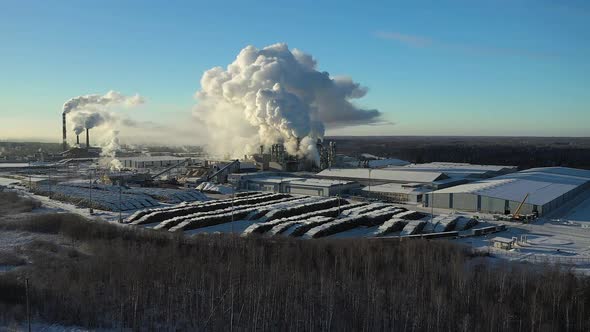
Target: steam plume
93	110
275	95
108	158
110	98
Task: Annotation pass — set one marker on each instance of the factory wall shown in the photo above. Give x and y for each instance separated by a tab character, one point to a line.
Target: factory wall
466	202
130	163
297	189
485	204
412	198
492	205
307	191
439	200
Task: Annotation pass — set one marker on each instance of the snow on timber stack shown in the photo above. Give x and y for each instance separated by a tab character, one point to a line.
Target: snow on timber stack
308	217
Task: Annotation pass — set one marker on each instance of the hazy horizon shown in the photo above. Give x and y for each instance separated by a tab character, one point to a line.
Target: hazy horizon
486	69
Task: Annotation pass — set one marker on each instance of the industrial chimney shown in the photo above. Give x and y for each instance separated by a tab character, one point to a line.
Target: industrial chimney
78	140
64	143
87	138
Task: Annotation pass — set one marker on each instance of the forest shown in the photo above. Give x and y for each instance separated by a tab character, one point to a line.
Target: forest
100	275
524	152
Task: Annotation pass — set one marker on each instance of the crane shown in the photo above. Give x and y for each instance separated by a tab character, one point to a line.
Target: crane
187	160
516	215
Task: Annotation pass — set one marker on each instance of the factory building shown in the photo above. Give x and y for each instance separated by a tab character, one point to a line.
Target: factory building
386	162
408	183
322	187
408	193
281	183
368	176
459	170
541	189
150	161
276	158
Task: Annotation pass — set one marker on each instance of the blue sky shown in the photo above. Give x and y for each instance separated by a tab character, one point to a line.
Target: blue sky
473	67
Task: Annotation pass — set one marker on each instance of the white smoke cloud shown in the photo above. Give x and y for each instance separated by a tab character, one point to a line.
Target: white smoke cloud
275	95
108	156
90	111
110	98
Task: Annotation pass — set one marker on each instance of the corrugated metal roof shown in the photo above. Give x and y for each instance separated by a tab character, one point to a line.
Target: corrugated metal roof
387	162
272	179
320	182
457	170
394	175
395	188
151	158
542	184
460	166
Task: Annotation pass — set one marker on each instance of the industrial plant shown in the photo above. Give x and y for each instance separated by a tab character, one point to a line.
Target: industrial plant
273	192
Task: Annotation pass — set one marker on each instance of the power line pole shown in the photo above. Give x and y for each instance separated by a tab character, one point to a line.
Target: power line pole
370	183
28	304
232	213
120	191
90	191
50	186
431	206
30	170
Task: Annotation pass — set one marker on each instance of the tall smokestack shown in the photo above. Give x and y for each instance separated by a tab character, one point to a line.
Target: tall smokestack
87	138
64	143
78	140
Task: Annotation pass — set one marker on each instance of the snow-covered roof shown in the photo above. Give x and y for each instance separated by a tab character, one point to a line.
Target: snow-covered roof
395	188
387	162
151	158
542	184
458	170
320	182
272	179
460	166
369	156
393	175
246	164
7	181
14	165
502	240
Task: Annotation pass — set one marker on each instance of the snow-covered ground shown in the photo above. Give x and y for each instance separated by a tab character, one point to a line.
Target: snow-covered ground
7	181
51	205
540	242
558	237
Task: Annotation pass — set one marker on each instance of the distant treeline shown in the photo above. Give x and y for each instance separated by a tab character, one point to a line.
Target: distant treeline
524	152
114	277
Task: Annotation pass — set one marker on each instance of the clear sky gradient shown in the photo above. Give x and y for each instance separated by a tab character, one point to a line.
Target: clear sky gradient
473	67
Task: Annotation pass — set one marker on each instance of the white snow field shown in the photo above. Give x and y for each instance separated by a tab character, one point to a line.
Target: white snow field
115	198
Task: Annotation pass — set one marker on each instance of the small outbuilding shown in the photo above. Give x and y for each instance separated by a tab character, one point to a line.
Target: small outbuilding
503	243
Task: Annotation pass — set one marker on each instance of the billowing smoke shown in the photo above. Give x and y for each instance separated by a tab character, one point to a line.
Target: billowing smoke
275	95
108	158
88	118
86	112
91	111
110	98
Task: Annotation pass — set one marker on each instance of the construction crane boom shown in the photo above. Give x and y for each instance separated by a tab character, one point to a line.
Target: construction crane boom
516	214
223	169
171	168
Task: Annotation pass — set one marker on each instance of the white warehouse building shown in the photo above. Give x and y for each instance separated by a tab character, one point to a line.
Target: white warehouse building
547	189
150	161
277	183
